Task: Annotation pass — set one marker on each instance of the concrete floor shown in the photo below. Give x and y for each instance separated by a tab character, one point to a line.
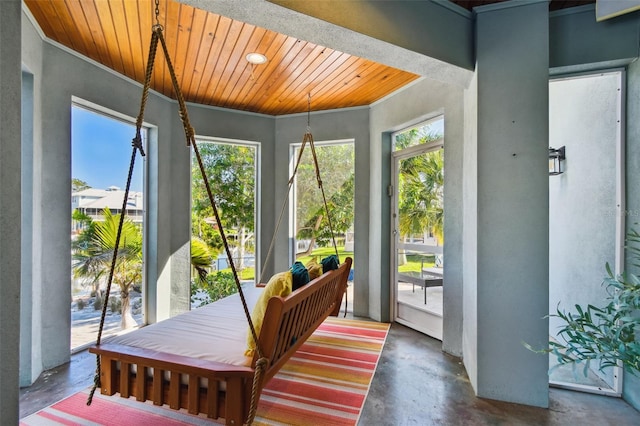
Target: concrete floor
415	384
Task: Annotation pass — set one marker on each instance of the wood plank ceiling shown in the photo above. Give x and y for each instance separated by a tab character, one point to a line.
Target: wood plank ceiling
208	53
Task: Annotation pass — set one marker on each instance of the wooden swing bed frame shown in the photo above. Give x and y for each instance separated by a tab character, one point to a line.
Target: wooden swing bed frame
288	322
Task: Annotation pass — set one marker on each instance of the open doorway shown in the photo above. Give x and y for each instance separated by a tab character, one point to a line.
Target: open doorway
417	224
586	209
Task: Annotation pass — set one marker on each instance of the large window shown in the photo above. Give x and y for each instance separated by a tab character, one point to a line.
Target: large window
231	168
311	224
101	153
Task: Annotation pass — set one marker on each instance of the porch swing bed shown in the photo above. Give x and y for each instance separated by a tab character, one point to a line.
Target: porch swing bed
196	360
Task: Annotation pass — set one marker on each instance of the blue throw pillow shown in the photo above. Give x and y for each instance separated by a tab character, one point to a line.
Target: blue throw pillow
300	275
330	263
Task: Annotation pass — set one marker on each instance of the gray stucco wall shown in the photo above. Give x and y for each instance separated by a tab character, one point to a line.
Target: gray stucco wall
26	205
577	42
513	205
30	312
9	207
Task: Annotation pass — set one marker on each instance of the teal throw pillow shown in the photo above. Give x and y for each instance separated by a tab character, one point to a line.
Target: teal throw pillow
330	263
300	275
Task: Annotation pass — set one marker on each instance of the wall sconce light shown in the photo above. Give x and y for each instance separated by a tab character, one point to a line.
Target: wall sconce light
556	156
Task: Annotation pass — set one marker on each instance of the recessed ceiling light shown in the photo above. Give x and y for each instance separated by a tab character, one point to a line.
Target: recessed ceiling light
256	58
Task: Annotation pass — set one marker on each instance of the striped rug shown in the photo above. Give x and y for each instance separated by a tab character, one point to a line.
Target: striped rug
324	383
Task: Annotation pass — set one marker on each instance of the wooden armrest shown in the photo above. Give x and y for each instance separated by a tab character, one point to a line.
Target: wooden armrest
260	285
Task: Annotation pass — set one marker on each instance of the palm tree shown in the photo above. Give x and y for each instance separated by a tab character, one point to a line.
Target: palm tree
93	258
200	258
420	203
80	243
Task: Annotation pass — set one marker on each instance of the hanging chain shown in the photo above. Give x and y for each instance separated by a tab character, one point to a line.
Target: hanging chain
157	11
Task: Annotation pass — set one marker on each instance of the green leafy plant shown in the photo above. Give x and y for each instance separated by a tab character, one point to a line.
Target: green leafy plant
606	335
216	286
232	170
336	165
200	258
93	255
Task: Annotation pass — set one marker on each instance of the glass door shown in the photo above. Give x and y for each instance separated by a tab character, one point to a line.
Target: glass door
418	237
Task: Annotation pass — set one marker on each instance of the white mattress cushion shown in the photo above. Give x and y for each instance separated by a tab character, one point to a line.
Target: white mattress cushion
216	332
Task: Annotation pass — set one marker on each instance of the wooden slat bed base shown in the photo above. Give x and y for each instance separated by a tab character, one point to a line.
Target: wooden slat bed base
118	375
287	324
